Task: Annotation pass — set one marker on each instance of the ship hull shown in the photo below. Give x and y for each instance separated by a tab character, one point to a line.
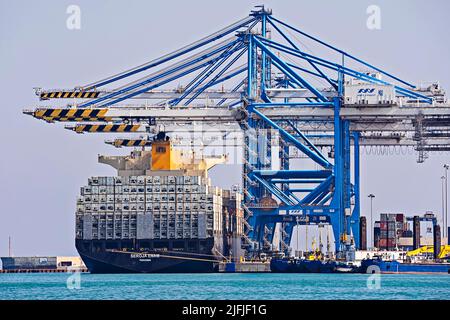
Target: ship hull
102	260
308	266
387	267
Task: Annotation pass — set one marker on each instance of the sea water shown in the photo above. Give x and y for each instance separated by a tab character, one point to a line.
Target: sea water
228	286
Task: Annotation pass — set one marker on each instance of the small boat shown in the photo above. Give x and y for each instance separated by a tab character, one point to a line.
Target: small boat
312	263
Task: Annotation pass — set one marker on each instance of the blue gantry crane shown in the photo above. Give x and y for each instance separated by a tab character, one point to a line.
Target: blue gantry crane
278	101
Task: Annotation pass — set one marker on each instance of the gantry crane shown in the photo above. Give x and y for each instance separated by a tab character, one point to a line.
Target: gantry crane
257	79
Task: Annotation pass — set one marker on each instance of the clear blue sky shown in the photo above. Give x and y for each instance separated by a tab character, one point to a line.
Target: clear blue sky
43	166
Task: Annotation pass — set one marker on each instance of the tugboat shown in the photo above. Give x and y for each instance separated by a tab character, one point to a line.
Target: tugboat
313	262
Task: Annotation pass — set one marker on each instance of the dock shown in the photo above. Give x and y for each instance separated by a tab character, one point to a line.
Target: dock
82	270
244	267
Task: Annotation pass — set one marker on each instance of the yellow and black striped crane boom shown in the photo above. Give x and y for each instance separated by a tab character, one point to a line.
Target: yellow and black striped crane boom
167	94
106	128
70	114
67	94
122	142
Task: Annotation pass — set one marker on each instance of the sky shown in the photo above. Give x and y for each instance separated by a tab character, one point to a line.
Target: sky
43	166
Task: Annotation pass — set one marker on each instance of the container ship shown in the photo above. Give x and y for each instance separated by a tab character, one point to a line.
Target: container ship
160	214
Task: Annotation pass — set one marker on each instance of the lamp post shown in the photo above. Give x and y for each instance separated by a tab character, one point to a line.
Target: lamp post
446	167
443	204
371	196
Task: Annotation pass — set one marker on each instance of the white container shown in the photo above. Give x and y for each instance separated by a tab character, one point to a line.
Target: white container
132	180
86	199
86	190
140	180
110	181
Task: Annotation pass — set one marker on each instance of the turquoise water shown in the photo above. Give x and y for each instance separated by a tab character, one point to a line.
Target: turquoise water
223	286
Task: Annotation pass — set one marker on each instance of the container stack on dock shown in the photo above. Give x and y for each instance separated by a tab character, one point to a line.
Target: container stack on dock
42	264
392	226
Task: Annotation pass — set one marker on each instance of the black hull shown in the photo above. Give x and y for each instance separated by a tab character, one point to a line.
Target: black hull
102	260
309	266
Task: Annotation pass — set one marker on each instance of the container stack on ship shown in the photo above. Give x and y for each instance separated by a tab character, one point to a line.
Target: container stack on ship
159	214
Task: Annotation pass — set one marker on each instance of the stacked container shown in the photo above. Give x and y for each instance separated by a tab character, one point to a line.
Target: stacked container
391	226
148	207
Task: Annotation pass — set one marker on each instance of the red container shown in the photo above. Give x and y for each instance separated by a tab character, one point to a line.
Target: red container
383	243
400	217
383	225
